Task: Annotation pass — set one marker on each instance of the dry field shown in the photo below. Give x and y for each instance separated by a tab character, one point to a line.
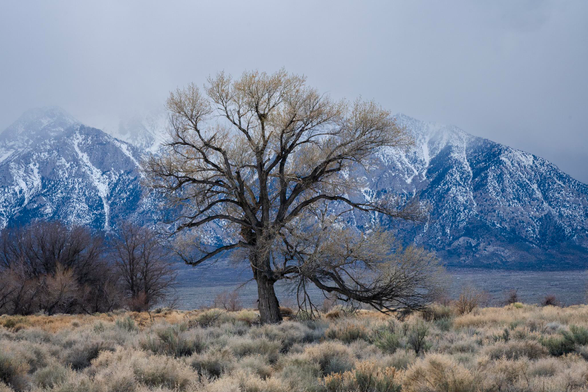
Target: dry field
515	348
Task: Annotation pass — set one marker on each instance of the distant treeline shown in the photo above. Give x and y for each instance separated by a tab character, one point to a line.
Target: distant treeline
51	268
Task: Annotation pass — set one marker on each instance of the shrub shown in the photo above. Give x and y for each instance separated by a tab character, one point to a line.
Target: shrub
366	377
242	347
249	317
98	327
559	345
553	327
468	300
544	367
437	312
212	317
401	359
334	314
463	346
213	363
507	375
579	334
340	311
81	354
331	357
78	382
516	349
347	332
126	324
14	323
51	376
566	342
119	378
55	269
444	324
248	382
34	356
174	342
550	300
416	337
438	373
300	375
386	340
256	364
13	371
287	334
160	371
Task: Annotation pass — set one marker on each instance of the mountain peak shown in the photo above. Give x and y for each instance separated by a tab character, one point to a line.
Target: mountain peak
39	122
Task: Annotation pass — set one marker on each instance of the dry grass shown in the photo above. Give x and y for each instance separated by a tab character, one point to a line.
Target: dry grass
515	348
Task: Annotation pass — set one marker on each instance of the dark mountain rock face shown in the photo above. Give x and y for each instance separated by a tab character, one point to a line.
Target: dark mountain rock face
490	205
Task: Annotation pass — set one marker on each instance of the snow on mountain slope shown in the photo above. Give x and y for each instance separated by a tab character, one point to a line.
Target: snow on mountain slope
60	169
490	205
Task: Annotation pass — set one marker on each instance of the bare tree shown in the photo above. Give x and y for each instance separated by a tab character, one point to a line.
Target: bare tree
143	264
261	156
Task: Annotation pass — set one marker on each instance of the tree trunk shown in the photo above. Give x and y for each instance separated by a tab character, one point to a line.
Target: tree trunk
269	307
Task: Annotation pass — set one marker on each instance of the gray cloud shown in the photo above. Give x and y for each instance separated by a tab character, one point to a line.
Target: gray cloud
511	71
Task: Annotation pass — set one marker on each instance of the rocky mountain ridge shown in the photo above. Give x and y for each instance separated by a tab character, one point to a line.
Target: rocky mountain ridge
53	167
490	205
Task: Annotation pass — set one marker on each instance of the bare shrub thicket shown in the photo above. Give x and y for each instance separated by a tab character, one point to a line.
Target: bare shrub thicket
469	299
550	300
50	268
512	297
143	264
228	300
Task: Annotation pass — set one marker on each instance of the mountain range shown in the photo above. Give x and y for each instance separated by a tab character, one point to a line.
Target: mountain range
53	167
489	205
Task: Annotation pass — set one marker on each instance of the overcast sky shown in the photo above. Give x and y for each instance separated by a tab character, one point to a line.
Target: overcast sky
514	71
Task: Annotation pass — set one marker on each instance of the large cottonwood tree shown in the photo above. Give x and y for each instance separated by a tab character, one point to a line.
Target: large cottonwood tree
268	159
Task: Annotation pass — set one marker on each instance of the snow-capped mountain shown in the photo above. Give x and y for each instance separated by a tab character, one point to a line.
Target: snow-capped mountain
489	205
53	167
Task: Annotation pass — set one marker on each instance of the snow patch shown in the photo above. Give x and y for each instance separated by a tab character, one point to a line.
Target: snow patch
98	180
125	149
28	182
525	158
5	154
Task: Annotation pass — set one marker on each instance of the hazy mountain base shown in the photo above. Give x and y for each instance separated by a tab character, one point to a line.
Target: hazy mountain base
516	348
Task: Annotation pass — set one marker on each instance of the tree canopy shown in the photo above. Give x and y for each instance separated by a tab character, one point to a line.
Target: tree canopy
267	160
